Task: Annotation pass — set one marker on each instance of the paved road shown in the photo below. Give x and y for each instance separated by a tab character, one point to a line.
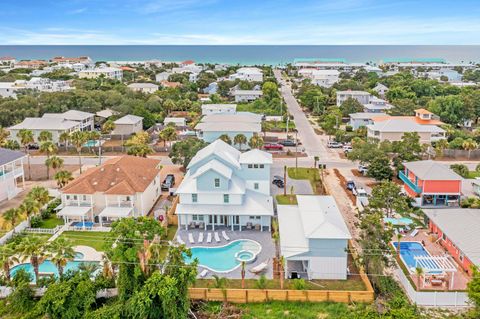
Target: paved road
89	160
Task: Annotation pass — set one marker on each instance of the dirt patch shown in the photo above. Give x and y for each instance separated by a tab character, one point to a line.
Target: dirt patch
343	183
318	131
372	184
356	173
286	155
39	171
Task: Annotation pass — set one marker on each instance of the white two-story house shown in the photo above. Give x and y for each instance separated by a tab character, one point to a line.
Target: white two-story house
85	119
11	173
125	186
224	188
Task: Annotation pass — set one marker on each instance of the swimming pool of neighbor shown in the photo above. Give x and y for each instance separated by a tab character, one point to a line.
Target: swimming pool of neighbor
398	221
83	224
47	267
225	258
411	249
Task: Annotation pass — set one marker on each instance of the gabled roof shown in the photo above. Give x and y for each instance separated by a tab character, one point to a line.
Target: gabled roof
45	123
124	175
143	85
129	119
218	106
240	117
72	115
220	149
430	170
231	127
256	156
395	124
8	156
216	166
365	115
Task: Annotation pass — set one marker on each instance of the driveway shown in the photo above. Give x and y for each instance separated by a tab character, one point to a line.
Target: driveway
300	187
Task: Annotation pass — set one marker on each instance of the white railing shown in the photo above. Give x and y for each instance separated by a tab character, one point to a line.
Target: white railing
433	298
18	229
92	228
44	230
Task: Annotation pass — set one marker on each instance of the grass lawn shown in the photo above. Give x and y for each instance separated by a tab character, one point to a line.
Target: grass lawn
286	199
87	238
172	230
473	174
52	222
251	107
271	125
311	174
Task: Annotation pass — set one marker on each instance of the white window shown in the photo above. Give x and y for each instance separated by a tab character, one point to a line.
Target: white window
255	185
226	198
194	198
217	182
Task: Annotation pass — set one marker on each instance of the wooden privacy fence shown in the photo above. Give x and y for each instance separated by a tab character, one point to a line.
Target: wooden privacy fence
171	217
263	295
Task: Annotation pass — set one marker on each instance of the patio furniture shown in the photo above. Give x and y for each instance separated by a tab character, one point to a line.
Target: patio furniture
201	225
180	240
257	227
436	282
224	235
217	238
414	233
203	273
209	237
200	237
191	225
249	225
259	268
190	238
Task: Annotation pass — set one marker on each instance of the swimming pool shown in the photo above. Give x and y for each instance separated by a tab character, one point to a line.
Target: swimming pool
224	258
398	221
83	224
410	250
47	267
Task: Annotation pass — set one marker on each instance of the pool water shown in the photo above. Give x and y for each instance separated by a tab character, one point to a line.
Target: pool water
222	259
410	250
83	224
398	221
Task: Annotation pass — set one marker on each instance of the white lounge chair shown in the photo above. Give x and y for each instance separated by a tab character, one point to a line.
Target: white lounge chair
217	237
259	268
190	238
203	273
209	237
180	240
224	235
414	233
200	237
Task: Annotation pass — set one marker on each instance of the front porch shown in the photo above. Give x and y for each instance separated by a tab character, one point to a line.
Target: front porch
229	222
437	200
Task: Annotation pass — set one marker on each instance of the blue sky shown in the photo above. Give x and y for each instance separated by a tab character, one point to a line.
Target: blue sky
239	22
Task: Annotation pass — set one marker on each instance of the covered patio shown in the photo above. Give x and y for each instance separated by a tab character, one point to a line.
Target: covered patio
436	270
110	214
76	213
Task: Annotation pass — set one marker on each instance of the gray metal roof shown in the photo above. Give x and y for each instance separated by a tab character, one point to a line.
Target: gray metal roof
430	170
404	125
461	226
7	156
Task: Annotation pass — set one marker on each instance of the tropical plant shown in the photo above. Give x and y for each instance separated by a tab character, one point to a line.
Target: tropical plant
11	217
255	142
240	140
168	134
39	194
182	152
281	262
64	138
299	284
460	169
419	273
11	145
108	127
242	273
225	138
141	150
469	145
261	282
7	259
60	252
33	248
221	283
78	138
63	177
53	162
4	134
26	138
45	136
30	207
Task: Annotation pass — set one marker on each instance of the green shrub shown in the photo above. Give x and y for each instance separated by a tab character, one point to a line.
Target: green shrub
299	284
348	128
35	221
261	282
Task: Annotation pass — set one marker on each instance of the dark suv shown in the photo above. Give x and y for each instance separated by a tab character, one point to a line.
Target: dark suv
278	180
287	143
168	183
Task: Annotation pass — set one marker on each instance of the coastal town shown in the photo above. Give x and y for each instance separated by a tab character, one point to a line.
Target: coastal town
205	190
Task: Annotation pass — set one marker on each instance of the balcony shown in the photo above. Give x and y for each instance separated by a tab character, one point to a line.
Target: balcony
409	183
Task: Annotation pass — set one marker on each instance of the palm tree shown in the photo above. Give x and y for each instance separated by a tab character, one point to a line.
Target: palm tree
26	138
225	138
11	145
168	134
89	268
255	142
93	136
419	273
240	140
49	148
7	259
108	127
243	275
221	283
11	217
61	251
140	150
30	207
78	138
32	248
399	239
440	146
63	177
39	194
64	138
54	162
45	136
469	145
4	134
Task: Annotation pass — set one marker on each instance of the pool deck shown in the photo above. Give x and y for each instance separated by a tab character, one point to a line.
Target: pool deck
89	253
461	278
263	238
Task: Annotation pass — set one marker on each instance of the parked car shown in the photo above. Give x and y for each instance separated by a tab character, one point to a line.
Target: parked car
168	182
333	144
287	142
363	169
273	146
279	181
347	148
350	185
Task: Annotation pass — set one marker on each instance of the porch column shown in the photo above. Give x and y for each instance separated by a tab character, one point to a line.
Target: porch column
434	200
23	174
186	224
205	222
213	222
261	223
232	222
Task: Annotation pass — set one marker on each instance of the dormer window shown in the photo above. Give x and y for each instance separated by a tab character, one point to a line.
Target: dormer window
217	182
226	198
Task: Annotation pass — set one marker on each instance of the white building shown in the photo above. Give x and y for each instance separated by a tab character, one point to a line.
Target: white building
361	96
248	74
147	88
177	121
323	78
224	188
213	126
376	105
55	125
124	186
8	89
43	85
85	119
208	109
107	72
358	120
313	238
246	95
381	89
11	173
127	125
163	76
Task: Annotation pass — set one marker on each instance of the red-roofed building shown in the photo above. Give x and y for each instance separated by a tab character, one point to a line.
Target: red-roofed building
62	59
31	64
7	60
187	62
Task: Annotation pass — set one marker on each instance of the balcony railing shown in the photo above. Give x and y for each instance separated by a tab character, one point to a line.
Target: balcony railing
410	184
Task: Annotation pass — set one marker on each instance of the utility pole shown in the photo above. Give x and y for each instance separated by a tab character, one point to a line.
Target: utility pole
296	154
285	180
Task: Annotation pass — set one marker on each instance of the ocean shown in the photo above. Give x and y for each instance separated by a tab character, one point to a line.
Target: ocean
245	54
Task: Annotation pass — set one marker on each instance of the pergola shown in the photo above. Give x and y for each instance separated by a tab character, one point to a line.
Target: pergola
114	212
75	212
431	264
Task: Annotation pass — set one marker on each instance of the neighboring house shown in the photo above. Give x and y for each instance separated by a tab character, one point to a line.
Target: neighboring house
381	89
11	173
56	126
431	184
143	87
208	109
127	125
31	64
85	119
360	96
457	231
43	85
107	72
177	121
212	88
376	105
162	76
105	114
358	120
168	84
213	126
226	189
250	74
392	128
8	89
313	238
124	186
7	61
62	60
246	95
323	78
